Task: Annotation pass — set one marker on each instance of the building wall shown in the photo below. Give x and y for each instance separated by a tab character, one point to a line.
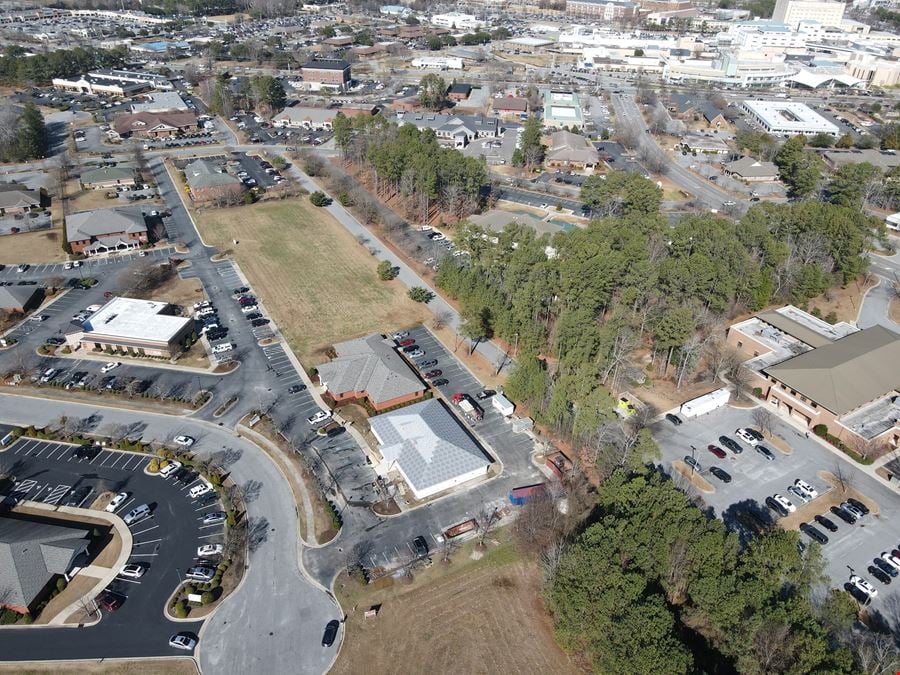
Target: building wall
322	76
384	405
446	485
92	342
217	193
137	237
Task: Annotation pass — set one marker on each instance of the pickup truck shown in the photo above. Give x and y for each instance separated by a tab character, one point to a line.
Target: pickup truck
468	406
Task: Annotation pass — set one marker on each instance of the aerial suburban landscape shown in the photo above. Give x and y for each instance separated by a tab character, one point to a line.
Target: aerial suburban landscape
487	336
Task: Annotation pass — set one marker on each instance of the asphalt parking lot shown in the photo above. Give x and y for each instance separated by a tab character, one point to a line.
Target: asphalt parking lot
88	266
165	543
755	478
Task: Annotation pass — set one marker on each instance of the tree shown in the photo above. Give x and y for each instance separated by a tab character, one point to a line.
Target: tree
800	170
853	184
821	140
845	141
32	134
386	271
319	198
890	137
762	420
432	91
621	193
419	294
532	149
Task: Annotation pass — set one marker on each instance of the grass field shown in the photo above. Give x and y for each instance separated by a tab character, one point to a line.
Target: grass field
167	666
318	282
468	616
44	246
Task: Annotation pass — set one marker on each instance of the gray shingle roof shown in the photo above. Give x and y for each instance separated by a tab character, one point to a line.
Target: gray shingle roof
102	222
16	296
752	168
369	365
428	444
845	374
107	173
16	196
203	174
32	553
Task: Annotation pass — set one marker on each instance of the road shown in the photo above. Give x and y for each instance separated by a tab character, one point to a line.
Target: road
630	121
273	623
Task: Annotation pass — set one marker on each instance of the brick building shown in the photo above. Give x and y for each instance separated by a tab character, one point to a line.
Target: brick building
105	230
320	73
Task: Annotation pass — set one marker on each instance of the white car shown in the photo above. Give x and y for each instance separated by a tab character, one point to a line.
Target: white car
137	514
248	309
200	489
110	366
798	494
200	573
400	335
891	560
182	641
222	348
320	416
806	489
209	550
785	502
116	502
133	571
746	437
49	374
67	266
863	585
186	441
169	469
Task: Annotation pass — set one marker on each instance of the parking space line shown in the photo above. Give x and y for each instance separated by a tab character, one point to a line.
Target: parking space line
209	536
149	529
128	581
143	555
56	494
144	543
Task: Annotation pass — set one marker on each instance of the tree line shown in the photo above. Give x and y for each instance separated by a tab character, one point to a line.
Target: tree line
17	68
410	164
23	135
654	584
580	305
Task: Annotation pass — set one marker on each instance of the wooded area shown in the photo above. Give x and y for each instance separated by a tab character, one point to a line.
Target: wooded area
17	68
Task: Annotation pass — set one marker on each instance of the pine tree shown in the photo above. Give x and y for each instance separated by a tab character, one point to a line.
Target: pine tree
32	134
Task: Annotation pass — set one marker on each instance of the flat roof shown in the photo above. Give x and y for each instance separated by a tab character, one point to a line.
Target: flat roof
135	319
789	116
804	326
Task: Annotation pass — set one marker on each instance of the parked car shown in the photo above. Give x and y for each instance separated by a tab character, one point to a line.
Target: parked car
721	474
485	394
885	567
186	441
693	463
137	514
785	502
717	451
731	444
890	559
746	436
331	631
110	601
406	342
87	452
420	546
863	585
880	574
416	353
674	419
858	505
440	382
430	363
110	366
808	490
183	641
253	316
210	550
320	416
294	388
844	515
814	533
847	506
116	502
798	494
859	595
432	374
214	517
169	469
200	489
256	323
765	452
133	571
776	506
827	523
238	291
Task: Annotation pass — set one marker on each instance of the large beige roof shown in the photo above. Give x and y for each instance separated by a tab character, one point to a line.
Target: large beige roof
845	374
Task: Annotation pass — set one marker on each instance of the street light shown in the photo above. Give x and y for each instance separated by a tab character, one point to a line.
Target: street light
694	458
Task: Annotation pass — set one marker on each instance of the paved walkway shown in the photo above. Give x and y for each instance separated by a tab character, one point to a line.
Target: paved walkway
875	308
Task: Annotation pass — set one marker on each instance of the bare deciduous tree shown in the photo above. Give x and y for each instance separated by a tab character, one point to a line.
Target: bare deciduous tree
763	420
487	519
441	319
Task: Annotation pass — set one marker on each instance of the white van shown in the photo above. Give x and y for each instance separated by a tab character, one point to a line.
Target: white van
222	348
169	469
136	514
200	489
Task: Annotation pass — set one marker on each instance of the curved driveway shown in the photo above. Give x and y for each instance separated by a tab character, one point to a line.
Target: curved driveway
273	623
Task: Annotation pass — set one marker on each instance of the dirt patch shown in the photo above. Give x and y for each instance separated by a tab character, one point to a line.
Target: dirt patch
846	490
318	282
485	371
80	586
165	666
483	616
153	281
32	247
663	395
107	399
844	302
779	444
894	312
695	478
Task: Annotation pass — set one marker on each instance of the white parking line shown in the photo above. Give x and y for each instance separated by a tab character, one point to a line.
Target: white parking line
85	498
107	458
57	494
209	536
208	506
119	458
144	543
149	529
127	580
143	555
123	506
128	461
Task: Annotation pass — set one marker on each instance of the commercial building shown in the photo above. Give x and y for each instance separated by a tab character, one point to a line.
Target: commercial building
457	21
510	107
105	230
105	177
154	80
370	368
17	199
522	45
818	374
788	118
208	182
333	74
792	12
33	555
155	124
427	446
606	10
562	109
136	327
571	151
160	102
438	63
20	299
751	170
455	130
730	69
92	84
395	10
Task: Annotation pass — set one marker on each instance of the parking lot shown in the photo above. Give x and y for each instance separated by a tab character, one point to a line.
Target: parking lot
754	478
165	543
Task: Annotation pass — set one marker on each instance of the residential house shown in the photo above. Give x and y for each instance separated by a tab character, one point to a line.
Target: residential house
370	368
571	151
209	182
105	230
33	555
712	115
106	177
682	106
155	124
751	170
17	199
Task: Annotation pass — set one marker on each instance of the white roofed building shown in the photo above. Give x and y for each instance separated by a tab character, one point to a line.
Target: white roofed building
788	118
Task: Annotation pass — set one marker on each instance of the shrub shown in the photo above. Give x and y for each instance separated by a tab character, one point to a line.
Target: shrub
163	463
345	199
319	198
153	466
189	589
27	619
820	430
419	294
7	617
757	392
66	350
831	318
386	271
207	598
60	585
181	609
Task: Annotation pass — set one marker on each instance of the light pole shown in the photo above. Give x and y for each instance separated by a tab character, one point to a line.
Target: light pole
694	458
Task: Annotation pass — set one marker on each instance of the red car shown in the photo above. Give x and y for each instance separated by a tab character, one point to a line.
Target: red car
108	295
431	374
458	396
110	601
247	300
717	451
406	343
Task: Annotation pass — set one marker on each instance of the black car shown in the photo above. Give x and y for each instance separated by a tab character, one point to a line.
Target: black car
858	505
410	348
885	567
420	546
860	596
56	341
674	419
776	507
238	291
765	452
440	382
722	475
814	533
846	516
252	316
87	452
259	322
485	394
294	388
216	333
754	433
827	523
331	630
879	574
731	444
78	495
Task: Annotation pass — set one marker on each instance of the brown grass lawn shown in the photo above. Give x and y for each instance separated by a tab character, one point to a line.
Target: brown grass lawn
469	616
44	246
844	302
318	282
166	666
895	310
